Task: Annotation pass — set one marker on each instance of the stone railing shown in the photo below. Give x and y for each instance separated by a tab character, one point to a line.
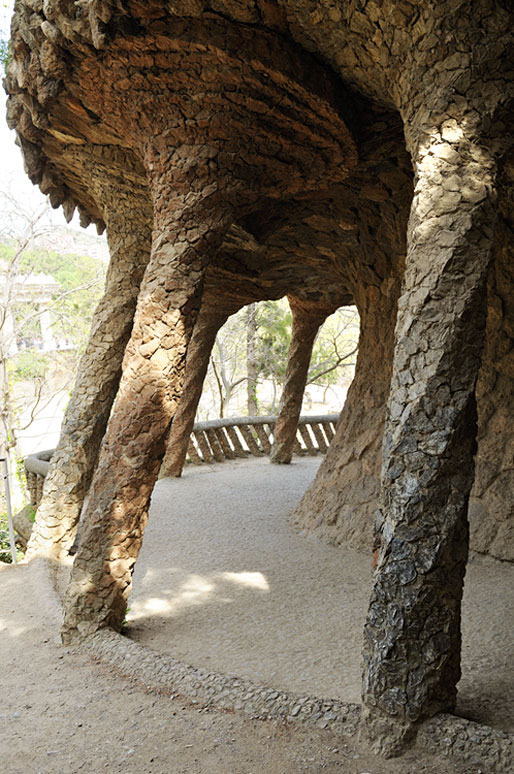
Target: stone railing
218	440
36	468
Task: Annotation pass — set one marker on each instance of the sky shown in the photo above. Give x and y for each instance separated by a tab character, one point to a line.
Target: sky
13	179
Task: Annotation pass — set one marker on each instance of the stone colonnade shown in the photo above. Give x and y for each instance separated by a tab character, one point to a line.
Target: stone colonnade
209	176
225	117
307	319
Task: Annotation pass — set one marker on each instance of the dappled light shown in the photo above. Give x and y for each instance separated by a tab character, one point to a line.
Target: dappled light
197	590
254	580
7	628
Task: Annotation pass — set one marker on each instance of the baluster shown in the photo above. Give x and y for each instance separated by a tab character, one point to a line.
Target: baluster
320	438
250	440
216	449
224	443
304	432
203	445
239	451
192	453
263	438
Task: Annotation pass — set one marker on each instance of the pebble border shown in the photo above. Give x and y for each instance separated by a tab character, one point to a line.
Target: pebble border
164	673
469	742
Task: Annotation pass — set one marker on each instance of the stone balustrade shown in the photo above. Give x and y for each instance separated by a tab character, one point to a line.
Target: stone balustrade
36	468
217	440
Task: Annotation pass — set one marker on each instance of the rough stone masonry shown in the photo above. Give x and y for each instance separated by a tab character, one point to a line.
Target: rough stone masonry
336	152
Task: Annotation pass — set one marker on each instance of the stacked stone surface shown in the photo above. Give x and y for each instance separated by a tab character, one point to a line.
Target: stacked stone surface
338	152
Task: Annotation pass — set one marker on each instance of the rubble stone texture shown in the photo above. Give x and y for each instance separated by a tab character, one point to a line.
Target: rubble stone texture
427	470
87	413
197	362
271	147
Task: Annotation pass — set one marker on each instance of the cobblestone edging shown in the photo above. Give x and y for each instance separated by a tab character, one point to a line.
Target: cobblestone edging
464	740
164	673
456	738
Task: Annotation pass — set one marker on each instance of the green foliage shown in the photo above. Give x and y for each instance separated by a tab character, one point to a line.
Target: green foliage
335	347
80	280
333	352
5	54
274	323
335	344
30	364
5	546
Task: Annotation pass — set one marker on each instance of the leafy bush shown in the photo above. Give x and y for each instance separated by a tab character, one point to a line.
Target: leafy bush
30	364
5	54
5	546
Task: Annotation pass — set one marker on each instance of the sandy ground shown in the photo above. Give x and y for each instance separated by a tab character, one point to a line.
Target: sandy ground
225	583
61	713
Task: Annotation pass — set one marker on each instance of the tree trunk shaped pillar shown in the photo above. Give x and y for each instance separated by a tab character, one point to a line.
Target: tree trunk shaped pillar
198	355
87	413
412	634
188	229
307	319
341	502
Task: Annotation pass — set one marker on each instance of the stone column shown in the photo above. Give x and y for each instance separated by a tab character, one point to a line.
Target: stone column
198	355
412	634
307	319
341	502
190	221
491	507
85	419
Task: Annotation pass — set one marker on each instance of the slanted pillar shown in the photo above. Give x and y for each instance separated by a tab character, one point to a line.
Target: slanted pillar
188	228
85	419
197	363
412	635
340	503
307	319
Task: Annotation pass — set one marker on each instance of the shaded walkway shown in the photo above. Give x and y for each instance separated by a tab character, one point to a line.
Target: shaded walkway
62	713
224	583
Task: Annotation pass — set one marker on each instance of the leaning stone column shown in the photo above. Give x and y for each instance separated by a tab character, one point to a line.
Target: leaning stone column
198	355
340	503
412	634
188	228
307	319
85	419
491	507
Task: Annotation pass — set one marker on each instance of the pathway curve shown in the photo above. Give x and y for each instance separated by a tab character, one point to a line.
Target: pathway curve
223	582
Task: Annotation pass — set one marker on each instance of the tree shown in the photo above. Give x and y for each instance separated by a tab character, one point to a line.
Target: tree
46	301
227	364
252	349
251	360
9	272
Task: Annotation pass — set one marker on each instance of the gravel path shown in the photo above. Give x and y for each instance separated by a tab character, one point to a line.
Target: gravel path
283	608
223	582
63	714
